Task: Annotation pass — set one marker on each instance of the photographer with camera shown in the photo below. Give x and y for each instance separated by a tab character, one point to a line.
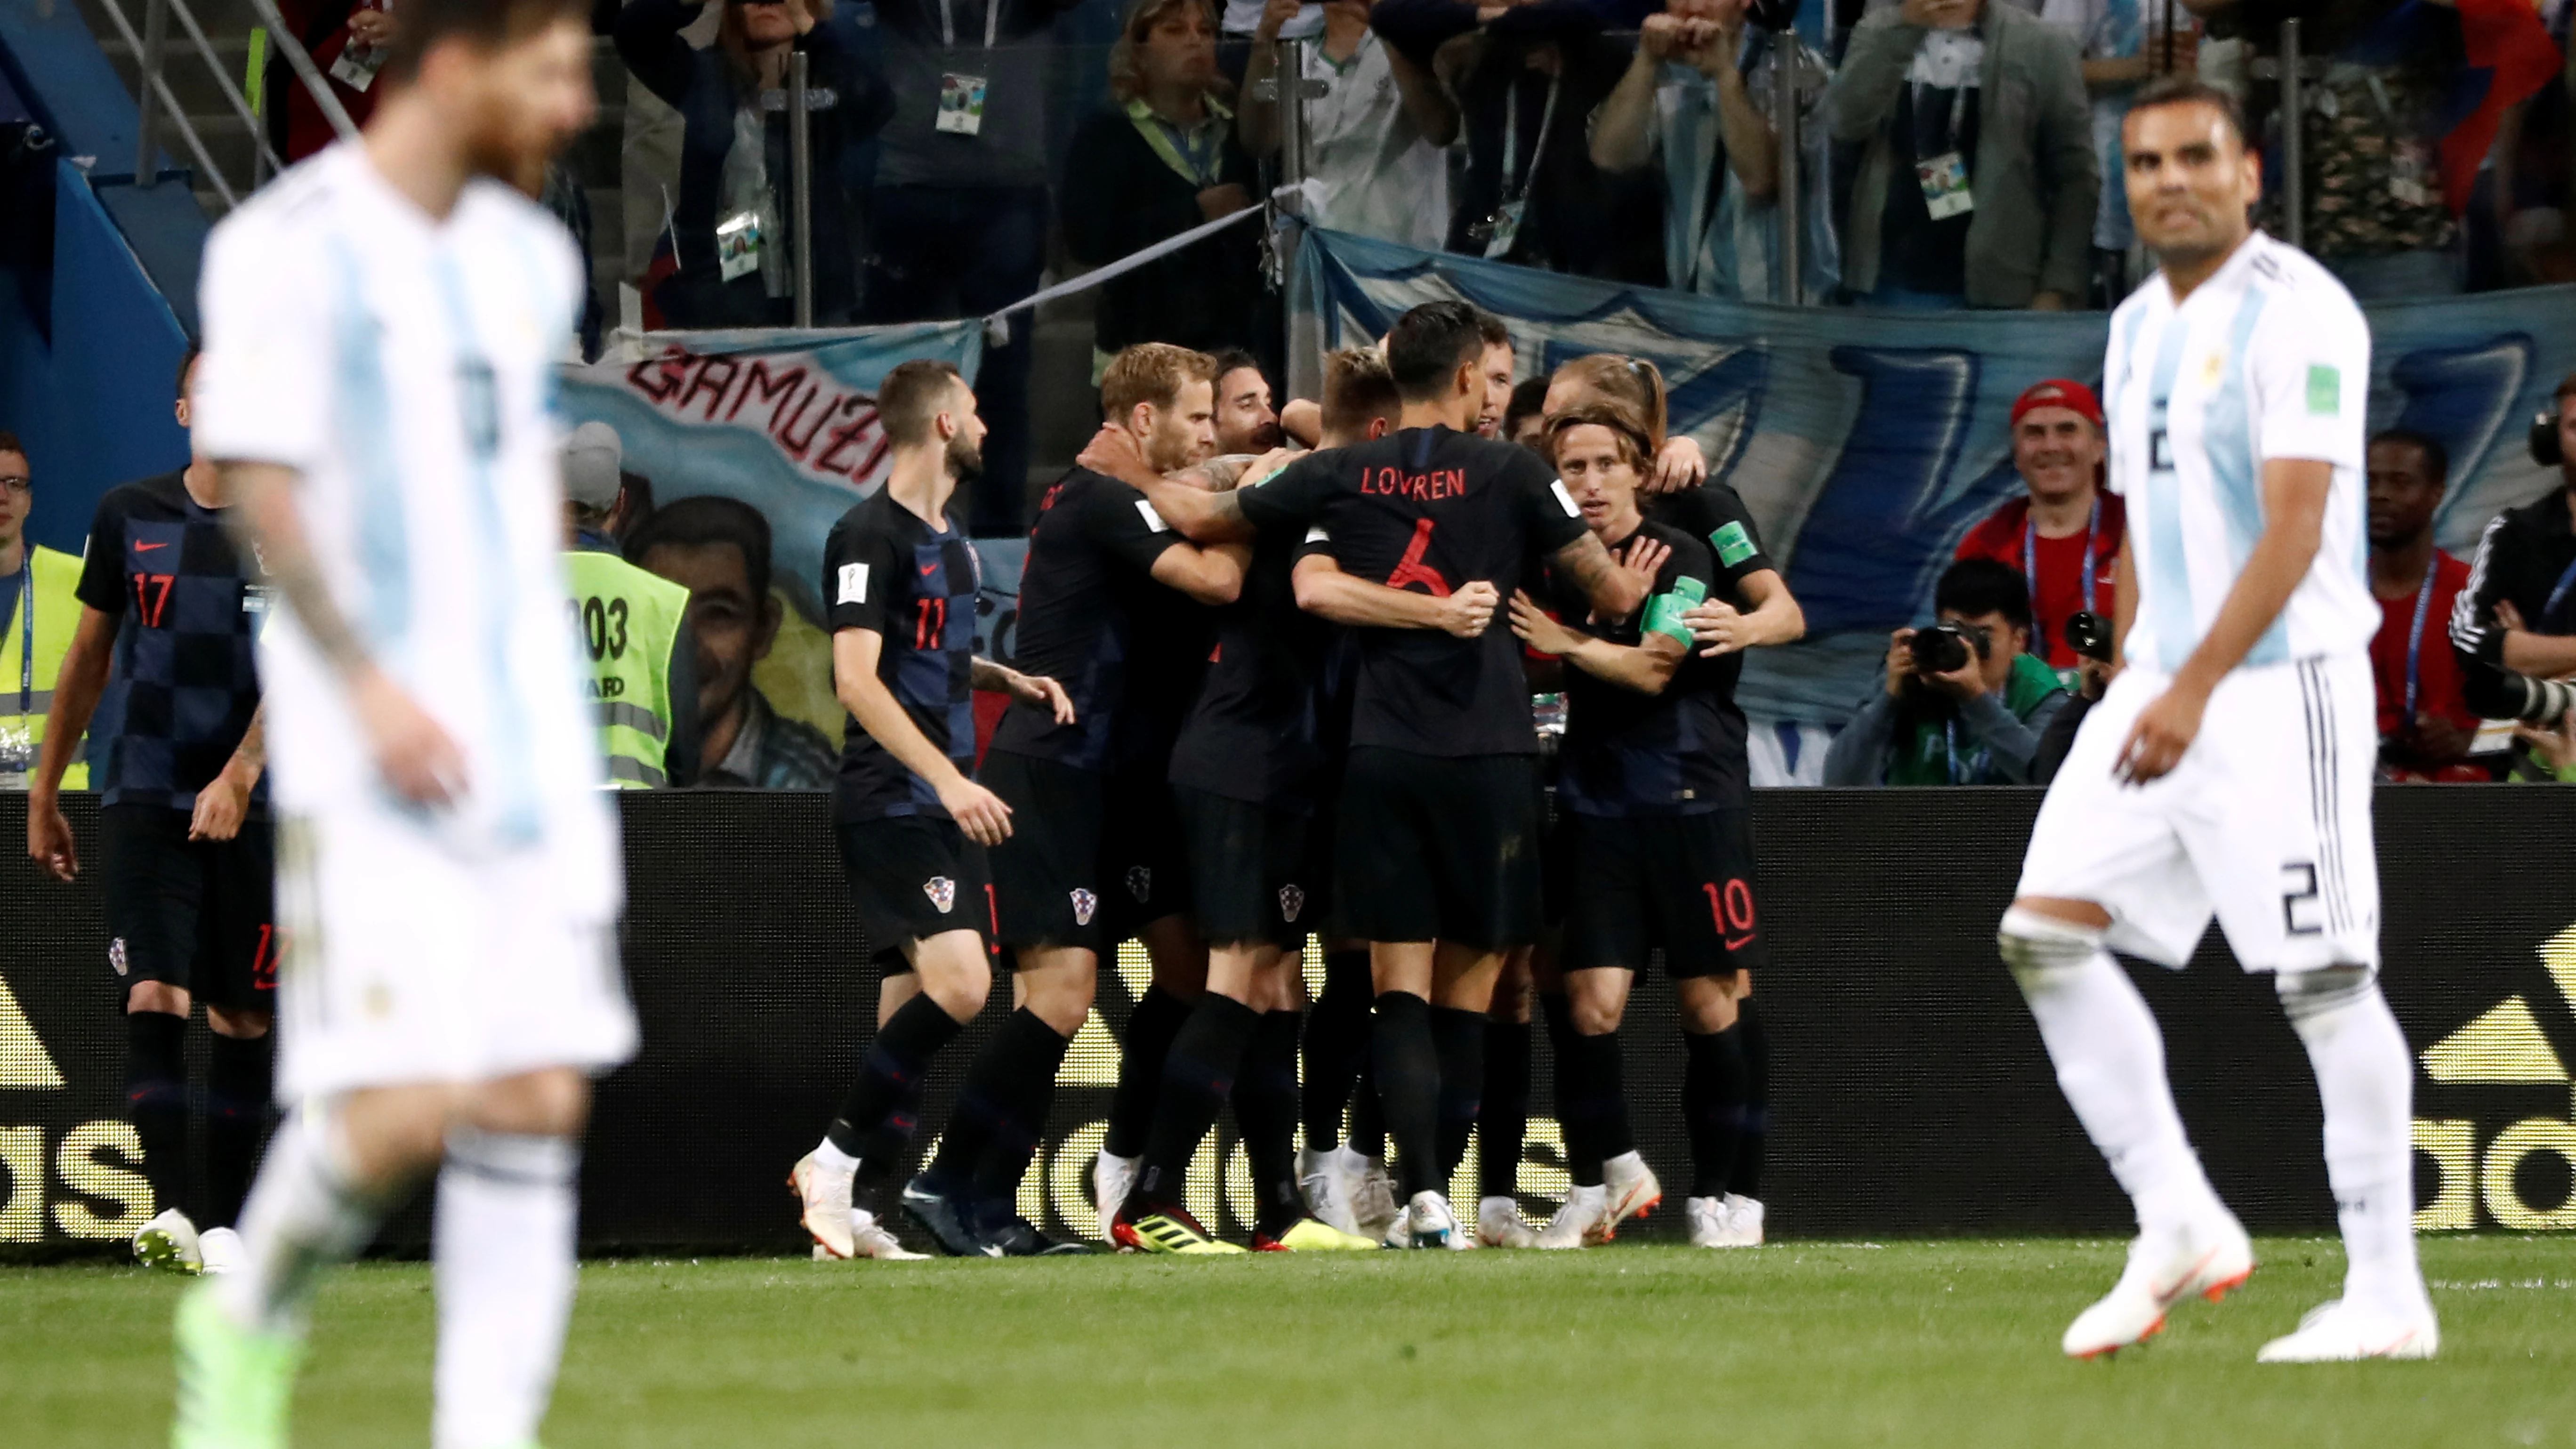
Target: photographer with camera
1965	703
2514	624
2065	534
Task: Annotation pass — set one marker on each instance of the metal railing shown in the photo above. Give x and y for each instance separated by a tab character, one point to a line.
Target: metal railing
156	106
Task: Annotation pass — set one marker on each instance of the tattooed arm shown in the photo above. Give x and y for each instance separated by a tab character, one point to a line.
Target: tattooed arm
1614	591
412	750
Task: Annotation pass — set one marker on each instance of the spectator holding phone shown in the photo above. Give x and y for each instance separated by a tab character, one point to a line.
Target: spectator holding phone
2064	533
1964	703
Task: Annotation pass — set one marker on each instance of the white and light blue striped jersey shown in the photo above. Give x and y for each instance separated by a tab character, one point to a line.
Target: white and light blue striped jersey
2269	358
404	366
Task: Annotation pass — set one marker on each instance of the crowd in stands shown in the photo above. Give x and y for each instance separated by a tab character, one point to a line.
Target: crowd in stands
1951	153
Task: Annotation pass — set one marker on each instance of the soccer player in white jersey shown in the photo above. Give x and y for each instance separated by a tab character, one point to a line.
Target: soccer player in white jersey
2227	771
380	329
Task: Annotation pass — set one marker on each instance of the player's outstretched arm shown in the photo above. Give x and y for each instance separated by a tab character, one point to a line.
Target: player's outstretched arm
411	748
1326	592
978	811
2294	509
82	679
1721	628
1646	666
1615	592
1200	516
1027	688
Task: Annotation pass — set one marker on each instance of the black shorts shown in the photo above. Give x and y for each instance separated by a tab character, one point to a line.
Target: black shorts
913	877
1681	882
1247	868
1435	849
1046	876
1142	858
195	914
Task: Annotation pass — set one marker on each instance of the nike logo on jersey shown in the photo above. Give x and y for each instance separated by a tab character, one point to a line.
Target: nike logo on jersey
148	547
928	569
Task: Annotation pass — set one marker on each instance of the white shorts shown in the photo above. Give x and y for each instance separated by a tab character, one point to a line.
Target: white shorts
404	963
2265	823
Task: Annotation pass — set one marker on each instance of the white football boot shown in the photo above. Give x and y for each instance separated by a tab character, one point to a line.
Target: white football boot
1113	1178
1327	1186
169	1242
1373	1202
2343	1331
1499	1225
1724	1222
219	1251
1632	1190
2209	1258
1429	1223
873	1239
825	1196
1577	1222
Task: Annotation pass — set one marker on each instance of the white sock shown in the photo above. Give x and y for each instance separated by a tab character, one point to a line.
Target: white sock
503	1245
832	1159
2365	1079
302	1216
2110	1062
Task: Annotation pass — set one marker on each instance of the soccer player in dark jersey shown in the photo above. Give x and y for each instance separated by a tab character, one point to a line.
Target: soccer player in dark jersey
1100	560
1653	837
169	611
1245	775
1436	850
900	581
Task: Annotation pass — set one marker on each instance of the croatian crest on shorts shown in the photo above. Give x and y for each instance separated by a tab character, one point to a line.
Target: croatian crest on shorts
1084	903
1292	899
942	892
116	955
1140	881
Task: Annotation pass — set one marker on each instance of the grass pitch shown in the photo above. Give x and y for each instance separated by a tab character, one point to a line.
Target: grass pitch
1816	1343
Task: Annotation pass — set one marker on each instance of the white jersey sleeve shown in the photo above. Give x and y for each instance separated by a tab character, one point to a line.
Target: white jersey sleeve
263	391
2310	372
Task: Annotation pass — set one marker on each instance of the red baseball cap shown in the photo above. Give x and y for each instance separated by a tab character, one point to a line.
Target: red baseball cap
2059	392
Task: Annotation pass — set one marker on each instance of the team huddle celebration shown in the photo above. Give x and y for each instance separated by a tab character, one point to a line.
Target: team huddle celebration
1260	706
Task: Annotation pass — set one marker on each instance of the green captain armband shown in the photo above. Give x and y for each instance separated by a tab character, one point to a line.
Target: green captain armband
1664	611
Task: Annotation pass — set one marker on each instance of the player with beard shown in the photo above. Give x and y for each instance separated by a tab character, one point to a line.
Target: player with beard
1246	775
378	389
1103	568
1245	424
1436	846
1653	845
912	822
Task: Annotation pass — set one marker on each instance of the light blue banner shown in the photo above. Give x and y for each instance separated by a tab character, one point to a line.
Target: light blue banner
1867	443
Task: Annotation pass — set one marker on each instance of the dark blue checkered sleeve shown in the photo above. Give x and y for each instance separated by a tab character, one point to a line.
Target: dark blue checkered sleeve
102	580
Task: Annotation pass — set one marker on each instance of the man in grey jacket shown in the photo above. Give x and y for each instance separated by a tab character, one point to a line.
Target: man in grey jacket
1975	182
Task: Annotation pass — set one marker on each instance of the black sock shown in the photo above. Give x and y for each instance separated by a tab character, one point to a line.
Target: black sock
1408	1087
890	1068
1157	1019
1746	1179
1458	1037
1502	1125
1198	1075
990	1095
1368	1115
237	1091
1336	1046
1006	1158
156	1100
1265	1108
1574	1092
887	1148
1713	1106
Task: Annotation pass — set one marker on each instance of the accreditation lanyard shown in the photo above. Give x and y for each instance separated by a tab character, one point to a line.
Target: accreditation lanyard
1950	749
26	631
1199	156
1516	188
2030	554
2415	642
948	24
1958	116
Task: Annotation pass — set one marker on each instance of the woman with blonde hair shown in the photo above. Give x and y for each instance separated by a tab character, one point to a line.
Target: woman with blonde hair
1160	159
728	235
